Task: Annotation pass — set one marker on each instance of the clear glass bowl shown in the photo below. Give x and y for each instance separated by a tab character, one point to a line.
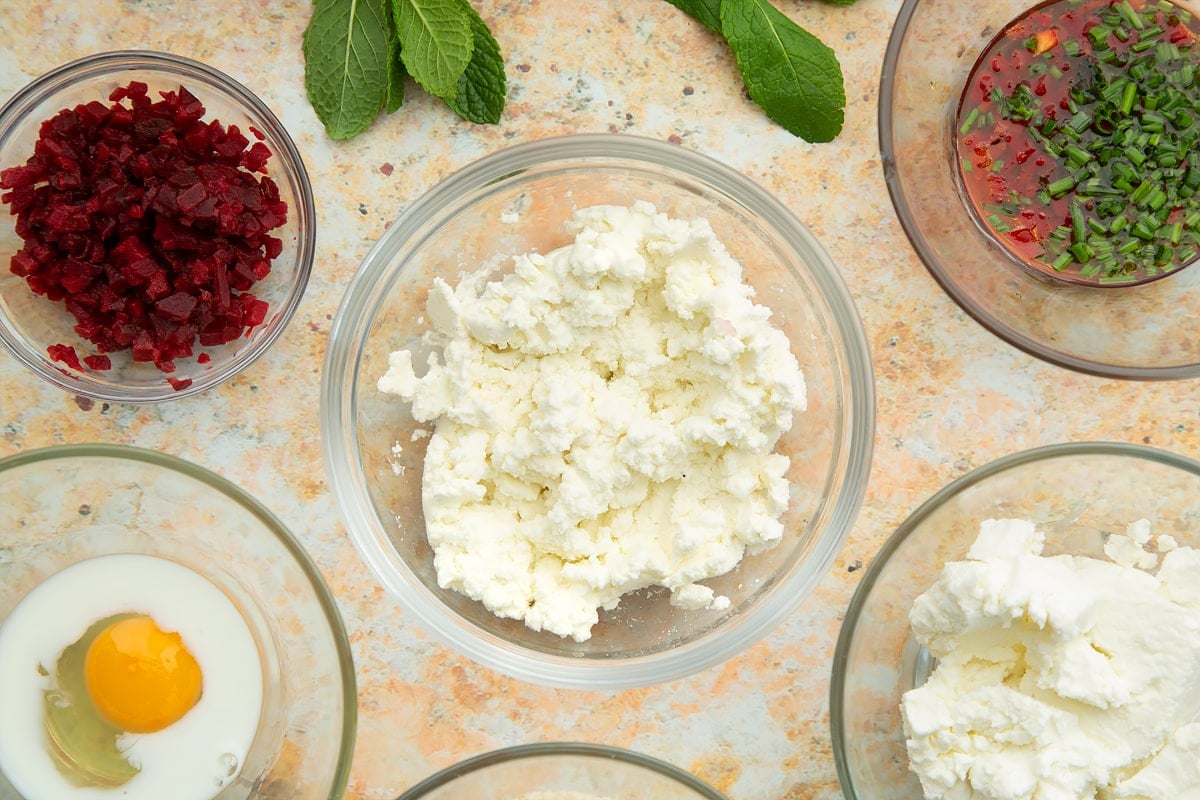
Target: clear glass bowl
562	771
1149	331
29	323
516	201
1078	493
66	504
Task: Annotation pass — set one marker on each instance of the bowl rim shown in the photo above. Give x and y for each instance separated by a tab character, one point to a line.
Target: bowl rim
284	151
996	326
337	629
837	684
590	750
340	374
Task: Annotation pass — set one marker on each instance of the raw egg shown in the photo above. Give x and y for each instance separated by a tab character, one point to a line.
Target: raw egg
127	676
140	678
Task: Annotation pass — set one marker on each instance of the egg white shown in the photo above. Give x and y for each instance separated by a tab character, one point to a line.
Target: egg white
185	761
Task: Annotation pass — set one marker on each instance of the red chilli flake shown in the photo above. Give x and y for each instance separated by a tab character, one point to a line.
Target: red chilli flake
148	223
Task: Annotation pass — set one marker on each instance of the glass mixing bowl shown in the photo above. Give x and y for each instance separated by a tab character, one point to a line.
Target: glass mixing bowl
1077	493
516	201
1149	331
562	771
30	323
65	504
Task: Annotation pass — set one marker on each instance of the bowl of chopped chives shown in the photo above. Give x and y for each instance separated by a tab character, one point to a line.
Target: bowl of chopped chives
1044	161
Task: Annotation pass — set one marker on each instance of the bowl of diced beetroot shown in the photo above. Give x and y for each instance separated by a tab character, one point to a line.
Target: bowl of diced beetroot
156	226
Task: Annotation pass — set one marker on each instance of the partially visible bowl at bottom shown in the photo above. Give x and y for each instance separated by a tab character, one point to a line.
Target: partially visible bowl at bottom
562	771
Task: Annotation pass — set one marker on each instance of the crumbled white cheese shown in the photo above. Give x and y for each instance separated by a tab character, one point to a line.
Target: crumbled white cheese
1058	677
606	416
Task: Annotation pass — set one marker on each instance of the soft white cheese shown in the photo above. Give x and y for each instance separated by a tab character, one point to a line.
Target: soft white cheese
606	416
1057	677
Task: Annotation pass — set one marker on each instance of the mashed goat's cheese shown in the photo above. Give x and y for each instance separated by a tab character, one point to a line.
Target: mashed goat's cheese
606	418
1059	677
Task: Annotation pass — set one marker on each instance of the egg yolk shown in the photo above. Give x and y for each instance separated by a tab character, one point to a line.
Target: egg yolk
139	677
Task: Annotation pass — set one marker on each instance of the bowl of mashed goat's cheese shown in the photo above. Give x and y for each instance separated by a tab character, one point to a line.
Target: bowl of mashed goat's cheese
1031	631
598	411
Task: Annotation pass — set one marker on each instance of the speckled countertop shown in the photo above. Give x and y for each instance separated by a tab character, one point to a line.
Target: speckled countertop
951	396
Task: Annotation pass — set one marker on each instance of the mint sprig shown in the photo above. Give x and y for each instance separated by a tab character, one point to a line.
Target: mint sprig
358	54
480	96
790	73
435	42
346	63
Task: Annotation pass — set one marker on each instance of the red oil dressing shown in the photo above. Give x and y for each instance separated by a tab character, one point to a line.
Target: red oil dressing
1076	140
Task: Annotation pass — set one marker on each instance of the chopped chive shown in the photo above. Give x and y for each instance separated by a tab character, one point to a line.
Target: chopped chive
1131	17
1128	95
1059	187
966	126
1097	34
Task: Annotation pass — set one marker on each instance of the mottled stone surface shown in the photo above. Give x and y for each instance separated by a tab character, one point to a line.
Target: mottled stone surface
951	396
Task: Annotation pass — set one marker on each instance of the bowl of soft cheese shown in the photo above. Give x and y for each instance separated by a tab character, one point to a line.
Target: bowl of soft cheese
598	411
1031	631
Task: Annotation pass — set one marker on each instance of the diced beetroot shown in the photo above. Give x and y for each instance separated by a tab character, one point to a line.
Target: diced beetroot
255	159
148	223
254	310
143	346
23	264
176	307
21	177
64	354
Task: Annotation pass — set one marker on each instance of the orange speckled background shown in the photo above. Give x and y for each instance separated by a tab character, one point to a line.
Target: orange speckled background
951	396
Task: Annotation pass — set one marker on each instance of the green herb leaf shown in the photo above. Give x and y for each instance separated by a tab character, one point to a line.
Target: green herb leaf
482	86
396	73
794	76
346	64
707	12
435	42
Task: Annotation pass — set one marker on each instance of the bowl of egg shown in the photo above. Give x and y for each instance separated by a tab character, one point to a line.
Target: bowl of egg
1032	630
162	635
1041	160
562	771
598	411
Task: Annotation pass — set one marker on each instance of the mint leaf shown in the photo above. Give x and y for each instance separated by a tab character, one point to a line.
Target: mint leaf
794	76
346	61
396	73
482	86
707	12
435	43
